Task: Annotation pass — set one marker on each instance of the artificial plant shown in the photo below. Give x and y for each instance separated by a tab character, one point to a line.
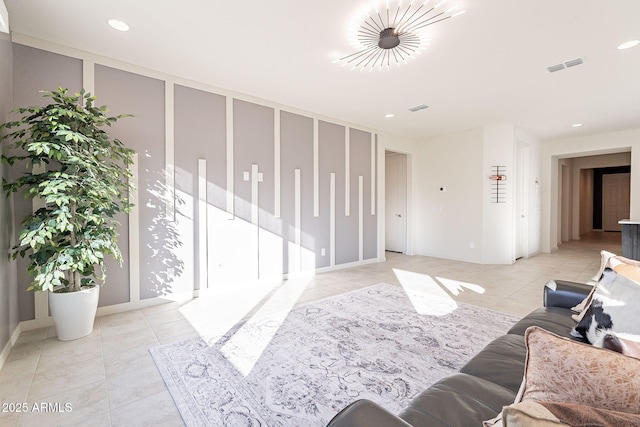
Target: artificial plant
80	175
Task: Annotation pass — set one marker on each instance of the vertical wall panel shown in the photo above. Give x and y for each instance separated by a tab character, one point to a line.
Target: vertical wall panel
125	92
370	218
276	163
296	145
201	230
361	166
169	150
200	132
134	232
253	144
332	160
37	70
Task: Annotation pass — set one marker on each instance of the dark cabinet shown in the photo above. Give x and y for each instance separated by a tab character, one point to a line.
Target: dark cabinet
630	239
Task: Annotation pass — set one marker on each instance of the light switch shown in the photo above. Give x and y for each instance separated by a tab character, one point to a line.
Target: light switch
245	175
260	177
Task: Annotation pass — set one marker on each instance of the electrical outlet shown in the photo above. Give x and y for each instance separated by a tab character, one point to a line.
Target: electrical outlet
323	252
472	245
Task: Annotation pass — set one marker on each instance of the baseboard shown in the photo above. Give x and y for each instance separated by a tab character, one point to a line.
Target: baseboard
28	325
346	265
44	322
331	268
7	348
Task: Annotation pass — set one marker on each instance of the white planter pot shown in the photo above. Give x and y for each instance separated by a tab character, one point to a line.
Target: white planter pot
74	312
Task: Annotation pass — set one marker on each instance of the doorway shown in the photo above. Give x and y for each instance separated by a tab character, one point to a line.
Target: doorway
586	194
395	202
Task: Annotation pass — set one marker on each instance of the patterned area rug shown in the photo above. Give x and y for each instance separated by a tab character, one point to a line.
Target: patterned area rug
369	343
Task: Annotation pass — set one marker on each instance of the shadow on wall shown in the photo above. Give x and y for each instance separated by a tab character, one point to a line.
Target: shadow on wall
162	263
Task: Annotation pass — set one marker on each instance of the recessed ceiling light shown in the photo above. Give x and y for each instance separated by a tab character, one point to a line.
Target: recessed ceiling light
388	116
576	125
629	44
117	24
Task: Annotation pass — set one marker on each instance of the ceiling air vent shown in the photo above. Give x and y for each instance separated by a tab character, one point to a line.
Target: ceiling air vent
565	65
574	62
418	108
555	68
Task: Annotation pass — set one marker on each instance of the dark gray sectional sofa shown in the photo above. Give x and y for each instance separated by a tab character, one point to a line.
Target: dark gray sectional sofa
489	381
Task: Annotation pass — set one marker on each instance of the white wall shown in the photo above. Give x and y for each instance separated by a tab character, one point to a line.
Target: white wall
447	222
498	219
462	223
605	143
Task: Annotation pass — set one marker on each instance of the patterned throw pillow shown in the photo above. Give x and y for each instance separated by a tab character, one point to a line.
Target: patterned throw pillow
553	414
558	369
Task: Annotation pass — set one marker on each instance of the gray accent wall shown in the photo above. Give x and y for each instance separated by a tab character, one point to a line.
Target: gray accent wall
200	133
360	159
8	281
129	93
296	141
188	236
332	160
36	70
253	144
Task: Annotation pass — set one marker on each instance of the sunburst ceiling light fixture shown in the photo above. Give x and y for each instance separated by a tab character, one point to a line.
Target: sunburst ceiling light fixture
394	35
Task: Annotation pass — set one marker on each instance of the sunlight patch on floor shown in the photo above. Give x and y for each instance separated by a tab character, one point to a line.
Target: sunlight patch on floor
246	346
456	287
425	293
218	309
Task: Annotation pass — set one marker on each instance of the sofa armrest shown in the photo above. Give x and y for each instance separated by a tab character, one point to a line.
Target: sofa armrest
365	413
564	294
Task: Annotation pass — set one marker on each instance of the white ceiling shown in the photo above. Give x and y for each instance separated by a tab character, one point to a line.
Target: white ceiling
486	66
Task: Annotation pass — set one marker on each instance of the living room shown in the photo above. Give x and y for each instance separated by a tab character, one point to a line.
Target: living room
268	164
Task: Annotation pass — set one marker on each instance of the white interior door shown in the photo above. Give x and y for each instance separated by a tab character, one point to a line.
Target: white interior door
522	202
396	202
615	200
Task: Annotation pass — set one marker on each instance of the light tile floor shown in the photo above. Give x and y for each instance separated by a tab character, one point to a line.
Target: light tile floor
110	379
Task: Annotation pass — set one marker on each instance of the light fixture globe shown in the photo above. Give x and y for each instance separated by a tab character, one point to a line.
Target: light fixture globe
395	34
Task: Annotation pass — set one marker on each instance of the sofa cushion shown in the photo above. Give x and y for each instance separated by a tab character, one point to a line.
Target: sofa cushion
364	412
554	319
561	370
500	362
458	400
